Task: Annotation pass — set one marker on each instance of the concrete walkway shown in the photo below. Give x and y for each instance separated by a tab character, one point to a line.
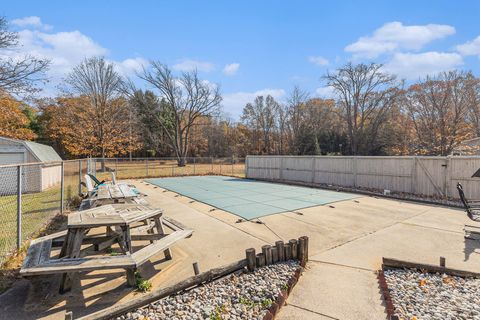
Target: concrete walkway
347	241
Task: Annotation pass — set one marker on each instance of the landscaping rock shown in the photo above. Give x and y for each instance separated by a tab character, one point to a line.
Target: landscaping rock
246	295
418	295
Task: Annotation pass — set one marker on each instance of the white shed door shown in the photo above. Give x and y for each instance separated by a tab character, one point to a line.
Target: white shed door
11	158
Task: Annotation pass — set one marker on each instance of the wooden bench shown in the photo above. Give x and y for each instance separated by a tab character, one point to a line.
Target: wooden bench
39	262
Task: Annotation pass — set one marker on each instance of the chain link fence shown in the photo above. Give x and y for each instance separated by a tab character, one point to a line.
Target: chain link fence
125	168
32	194
8	209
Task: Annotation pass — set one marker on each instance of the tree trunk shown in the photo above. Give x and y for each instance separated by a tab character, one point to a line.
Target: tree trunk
182	161
103	160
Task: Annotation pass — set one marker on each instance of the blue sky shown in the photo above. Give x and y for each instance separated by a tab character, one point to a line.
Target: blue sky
252	47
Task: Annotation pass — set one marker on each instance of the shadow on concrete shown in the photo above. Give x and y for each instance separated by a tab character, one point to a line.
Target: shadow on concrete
39	297
471	247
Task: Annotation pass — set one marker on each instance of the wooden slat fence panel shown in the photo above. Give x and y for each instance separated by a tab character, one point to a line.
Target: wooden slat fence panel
461	170
334	171
430	176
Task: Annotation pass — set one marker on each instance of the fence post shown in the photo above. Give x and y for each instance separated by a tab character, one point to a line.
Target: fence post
354	172
211	160
116	167
448	176
414	176
313	169
62	191
281	168
146	167
194	161
19	207
233	164
79	177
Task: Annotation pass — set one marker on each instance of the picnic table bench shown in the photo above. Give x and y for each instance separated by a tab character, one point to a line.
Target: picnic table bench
114	193
110	194
123	224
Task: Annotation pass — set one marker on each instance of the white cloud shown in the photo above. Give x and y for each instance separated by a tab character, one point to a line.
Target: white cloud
231	69
130	66
32	21
212	85
190	65
470	48
395	36
64	49
325	92
414	66
233	103
318	60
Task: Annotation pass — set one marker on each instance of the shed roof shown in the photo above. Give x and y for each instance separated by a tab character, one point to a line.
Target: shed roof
41	152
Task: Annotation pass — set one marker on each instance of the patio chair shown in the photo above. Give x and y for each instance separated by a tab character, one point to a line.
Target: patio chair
134	188
89	184
97	182
472	207
114	178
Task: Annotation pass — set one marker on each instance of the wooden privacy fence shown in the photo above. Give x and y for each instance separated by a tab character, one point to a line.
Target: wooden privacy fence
423	176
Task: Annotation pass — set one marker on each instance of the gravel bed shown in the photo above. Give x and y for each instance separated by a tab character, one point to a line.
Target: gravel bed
237	296
418	295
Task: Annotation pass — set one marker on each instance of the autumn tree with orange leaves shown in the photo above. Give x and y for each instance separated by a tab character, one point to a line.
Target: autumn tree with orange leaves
101	116
13	121
70	124
93	119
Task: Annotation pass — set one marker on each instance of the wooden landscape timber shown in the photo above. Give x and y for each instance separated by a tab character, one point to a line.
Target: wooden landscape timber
388	263
391	264
250	262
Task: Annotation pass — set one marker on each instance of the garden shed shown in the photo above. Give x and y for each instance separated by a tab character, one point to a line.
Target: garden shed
43	171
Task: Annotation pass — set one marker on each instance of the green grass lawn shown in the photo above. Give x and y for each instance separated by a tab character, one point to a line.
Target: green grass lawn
37	211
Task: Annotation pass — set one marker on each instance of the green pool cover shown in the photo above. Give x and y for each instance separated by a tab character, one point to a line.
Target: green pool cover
247	198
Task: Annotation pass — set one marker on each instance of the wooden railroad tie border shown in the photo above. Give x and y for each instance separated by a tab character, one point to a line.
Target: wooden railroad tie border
389	263
392	264
252	261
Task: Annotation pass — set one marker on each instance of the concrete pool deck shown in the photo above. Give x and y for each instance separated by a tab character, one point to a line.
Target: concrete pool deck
347	241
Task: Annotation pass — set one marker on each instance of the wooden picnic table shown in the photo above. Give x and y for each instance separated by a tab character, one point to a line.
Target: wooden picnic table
123	223
111	194
115	192
120	221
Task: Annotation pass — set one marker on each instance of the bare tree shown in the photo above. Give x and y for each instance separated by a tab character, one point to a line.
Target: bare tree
260	117
295	113
187	98
473	114
98	81
438	107
365	96
283	120
19	74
